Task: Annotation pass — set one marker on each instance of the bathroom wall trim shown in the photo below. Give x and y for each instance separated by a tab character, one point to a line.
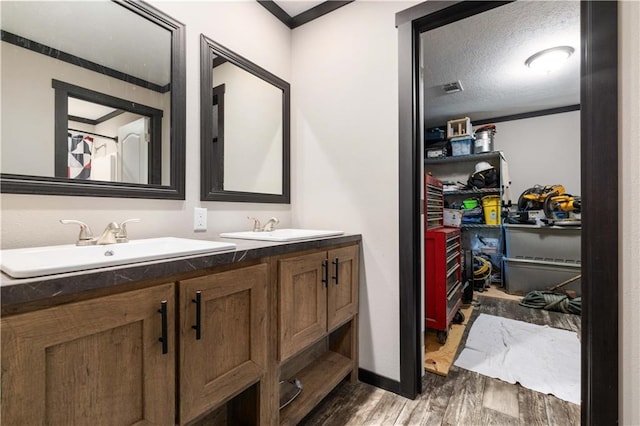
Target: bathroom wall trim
378	381
531	114
304	17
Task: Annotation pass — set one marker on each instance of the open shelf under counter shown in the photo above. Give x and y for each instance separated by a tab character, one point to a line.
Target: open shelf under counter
318	379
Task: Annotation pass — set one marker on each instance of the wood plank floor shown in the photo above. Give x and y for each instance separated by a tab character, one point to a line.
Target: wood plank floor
462	398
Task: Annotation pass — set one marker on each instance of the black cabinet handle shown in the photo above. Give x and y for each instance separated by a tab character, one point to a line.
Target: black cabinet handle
198	326
164	339
336	263
325	272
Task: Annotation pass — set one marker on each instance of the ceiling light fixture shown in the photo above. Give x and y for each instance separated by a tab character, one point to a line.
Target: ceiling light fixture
549	59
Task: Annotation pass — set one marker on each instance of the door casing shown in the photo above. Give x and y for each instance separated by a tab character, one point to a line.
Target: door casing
599	191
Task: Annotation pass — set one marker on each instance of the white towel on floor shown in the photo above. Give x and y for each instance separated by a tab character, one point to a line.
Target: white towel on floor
540	358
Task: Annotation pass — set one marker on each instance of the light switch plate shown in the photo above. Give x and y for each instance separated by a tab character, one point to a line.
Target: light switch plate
199	219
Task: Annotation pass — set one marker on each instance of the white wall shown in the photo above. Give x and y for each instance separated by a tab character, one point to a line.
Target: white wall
541	150
629	232
244	27
345	154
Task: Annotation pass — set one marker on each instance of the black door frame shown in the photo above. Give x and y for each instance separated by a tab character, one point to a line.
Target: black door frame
599	190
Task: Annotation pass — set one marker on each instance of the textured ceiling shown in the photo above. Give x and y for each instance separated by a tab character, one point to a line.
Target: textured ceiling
486	52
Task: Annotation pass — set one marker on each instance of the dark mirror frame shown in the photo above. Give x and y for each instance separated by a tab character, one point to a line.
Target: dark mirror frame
211	158
24	184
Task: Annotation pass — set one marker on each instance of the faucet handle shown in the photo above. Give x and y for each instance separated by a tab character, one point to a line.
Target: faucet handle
122	236
256	224
85	237
270	224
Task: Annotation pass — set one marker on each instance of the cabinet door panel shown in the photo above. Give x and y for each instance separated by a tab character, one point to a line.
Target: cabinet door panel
342	303
231	353
227	319
302	302
75	363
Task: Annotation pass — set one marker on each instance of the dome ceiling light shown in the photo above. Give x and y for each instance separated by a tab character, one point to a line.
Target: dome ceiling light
549	59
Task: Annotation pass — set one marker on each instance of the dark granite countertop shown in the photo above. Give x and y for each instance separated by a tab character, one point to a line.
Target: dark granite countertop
14	292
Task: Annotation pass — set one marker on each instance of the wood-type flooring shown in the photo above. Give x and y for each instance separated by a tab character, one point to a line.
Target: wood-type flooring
462	398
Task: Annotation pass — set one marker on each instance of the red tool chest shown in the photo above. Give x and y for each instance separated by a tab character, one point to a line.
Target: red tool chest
443	292
443	269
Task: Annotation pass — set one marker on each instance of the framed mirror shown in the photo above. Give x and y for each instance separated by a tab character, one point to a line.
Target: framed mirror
92	109
245	134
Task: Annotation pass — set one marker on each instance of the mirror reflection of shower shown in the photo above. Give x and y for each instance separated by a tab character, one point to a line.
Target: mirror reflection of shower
133	150
111	146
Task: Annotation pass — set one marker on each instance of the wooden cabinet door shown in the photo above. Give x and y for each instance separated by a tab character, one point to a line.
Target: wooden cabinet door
342	302
96	362
302	302
231	351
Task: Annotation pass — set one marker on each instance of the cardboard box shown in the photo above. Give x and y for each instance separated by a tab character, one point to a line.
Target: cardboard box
452	217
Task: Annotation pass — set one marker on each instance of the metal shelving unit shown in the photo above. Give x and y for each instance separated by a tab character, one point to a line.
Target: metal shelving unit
457	169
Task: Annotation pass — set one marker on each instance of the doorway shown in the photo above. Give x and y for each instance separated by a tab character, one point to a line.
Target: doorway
598	118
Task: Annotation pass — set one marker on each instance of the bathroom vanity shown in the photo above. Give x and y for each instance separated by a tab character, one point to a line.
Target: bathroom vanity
204	339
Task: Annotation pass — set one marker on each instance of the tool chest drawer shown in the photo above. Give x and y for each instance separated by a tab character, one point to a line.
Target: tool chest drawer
434	202
443	286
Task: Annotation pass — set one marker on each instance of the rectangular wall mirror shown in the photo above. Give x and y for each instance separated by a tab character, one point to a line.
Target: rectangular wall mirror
245	129
92	109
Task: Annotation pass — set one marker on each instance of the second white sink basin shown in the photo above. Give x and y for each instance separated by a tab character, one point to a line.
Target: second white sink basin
39	261
282	235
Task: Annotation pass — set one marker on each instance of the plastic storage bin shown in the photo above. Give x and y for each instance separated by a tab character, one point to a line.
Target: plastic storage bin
491	209
461	146
523	275
551	244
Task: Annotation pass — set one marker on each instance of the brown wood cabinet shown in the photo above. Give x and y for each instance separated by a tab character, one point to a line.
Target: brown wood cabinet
317	293
223	332
318	324
210	347
96	362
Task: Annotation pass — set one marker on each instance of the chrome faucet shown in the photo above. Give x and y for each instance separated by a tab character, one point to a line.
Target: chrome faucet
267	226
109	234
112	234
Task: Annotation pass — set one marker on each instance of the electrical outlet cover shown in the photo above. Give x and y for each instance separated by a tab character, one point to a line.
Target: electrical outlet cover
199	219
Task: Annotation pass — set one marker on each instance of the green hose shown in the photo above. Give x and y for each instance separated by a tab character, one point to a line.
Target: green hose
551	301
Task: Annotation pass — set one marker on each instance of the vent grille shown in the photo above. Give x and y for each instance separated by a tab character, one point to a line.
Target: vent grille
454	87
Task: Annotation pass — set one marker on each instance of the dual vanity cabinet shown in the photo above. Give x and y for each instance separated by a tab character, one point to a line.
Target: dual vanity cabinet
204	347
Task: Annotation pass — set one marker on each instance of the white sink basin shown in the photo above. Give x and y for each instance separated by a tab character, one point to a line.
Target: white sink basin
282	235
38	261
